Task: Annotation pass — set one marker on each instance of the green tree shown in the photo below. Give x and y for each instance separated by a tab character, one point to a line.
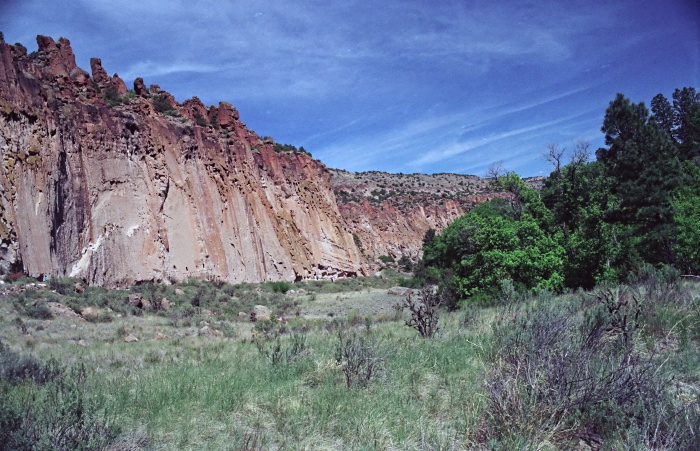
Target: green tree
578	196
681	121
686	105
686	217
642	161
501	239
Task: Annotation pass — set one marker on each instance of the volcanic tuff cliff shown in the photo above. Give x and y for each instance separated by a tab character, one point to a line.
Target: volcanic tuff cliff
117	186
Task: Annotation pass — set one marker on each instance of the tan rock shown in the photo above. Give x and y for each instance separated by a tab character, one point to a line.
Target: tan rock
61	311
179	292
261	312
207	331
400	291
135	299
138	301
90	314
131	338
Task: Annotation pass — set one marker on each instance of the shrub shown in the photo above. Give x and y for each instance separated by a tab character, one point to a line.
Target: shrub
112	96
424	313
406	263
359	358
562	376
280	287
287	351
161	104
386	259
410	282
200	120
15	368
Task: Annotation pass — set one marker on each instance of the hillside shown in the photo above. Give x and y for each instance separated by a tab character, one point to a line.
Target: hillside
390	213
119	186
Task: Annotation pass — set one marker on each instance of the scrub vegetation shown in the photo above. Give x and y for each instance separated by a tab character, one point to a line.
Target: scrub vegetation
565	318
617	366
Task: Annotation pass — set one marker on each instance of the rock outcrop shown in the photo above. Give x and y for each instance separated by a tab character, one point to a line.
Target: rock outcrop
389	214
117	187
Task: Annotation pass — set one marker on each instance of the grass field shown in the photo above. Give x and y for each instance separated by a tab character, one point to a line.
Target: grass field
617	368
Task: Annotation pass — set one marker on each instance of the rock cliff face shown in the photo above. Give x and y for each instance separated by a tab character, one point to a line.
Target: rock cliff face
118	188
389	214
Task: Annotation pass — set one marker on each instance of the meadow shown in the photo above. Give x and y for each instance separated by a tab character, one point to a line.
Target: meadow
337	367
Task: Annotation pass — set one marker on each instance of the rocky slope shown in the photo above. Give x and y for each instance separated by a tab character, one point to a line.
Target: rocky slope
117	187
389	214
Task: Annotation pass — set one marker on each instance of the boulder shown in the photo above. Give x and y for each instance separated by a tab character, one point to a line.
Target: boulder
261	312
61	311
400	291
207	331
138	301
90	314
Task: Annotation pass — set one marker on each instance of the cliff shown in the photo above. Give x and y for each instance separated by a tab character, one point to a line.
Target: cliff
118	187
389	214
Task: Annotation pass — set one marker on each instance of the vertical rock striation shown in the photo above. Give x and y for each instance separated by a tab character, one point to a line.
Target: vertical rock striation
118	188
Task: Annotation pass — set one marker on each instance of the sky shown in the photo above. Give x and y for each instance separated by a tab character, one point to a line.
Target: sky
393	85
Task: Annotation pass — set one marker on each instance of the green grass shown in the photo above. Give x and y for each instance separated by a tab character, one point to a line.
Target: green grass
189	391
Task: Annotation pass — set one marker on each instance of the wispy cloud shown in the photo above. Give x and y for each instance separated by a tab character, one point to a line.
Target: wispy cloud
396	85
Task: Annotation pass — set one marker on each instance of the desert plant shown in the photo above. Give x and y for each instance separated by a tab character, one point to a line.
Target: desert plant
386	259
287	351
359	358
112	96
200	120
424	312
281	286
561	376
161	104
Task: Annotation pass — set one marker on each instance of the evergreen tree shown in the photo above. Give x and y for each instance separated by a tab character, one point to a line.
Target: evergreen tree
642	161
686	105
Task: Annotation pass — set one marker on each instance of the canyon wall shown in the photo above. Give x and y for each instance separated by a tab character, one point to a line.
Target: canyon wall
389	214
118	187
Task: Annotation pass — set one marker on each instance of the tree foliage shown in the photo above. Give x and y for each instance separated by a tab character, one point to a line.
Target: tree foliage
638	204
497	240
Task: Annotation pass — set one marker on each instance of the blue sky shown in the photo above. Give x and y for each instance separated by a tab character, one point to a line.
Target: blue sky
393	85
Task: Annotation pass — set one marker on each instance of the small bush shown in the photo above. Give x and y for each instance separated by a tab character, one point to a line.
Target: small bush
424	313
200	120
15	368
280	287
359	358
161	104
411	282
55	415
283	351
112	96
406	263
561	376
386	259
